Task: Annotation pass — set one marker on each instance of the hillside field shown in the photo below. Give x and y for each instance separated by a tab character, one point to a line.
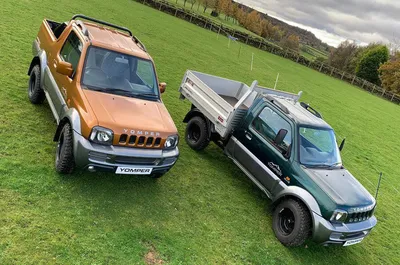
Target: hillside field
205	210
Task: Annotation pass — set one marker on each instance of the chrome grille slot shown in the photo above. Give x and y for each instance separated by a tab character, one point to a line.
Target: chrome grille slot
141	140
149	141
132	139
157	142
123	138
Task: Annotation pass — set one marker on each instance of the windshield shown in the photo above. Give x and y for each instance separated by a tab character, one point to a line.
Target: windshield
117	73
318	147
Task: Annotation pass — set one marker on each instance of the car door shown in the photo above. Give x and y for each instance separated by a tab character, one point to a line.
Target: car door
70	52
259	139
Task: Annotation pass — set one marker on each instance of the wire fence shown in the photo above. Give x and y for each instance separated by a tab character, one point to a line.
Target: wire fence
270	47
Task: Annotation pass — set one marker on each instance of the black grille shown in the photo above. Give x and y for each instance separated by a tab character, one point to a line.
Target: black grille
359	216
141	140
149	141
135	160
123	138
134	140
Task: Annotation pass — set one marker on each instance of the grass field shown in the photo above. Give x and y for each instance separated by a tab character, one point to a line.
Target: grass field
205	210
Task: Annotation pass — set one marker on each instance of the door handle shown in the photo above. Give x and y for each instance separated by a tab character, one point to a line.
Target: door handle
248	135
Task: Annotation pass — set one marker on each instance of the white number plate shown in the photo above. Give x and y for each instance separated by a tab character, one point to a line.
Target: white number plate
352	242
134	170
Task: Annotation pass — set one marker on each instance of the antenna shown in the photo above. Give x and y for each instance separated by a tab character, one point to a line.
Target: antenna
377	188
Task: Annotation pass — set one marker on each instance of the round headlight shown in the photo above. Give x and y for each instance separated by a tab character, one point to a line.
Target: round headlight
338	216
171	142
102	135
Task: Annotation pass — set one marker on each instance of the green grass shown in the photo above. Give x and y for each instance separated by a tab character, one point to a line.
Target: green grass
205	210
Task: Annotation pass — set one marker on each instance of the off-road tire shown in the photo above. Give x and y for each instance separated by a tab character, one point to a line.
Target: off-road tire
197	134
301	227
35	92
65	162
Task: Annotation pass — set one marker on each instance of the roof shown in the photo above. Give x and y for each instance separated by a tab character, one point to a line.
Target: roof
114	39
302	116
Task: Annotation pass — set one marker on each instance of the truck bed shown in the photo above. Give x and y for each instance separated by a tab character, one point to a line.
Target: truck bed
233	101
223	101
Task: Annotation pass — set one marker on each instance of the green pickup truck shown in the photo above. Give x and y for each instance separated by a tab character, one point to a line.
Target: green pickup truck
286	148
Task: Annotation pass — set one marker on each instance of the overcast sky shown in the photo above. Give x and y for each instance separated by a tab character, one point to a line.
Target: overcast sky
333	21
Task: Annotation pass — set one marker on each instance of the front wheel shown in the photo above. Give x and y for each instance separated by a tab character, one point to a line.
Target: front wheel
291	222
197	134
65	162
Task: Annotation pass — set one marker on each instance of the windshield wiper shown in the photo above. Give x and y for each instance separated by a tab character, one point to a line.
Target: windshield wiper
328	166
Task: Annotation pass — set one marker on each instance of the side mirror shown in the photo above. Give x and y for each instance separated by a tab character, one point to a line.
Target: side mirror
64	68
163	86
342	144
280	136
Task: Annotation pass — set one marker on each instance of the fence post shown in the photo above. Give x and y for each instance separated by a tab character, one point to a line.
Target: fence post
333	68
342	76
309	64
352	81
176	11
260	45
160	7
383	93
373	89
144	2
392	98
298	57
205	25
191	17
322	64
247	39
363	84
284	56
272	50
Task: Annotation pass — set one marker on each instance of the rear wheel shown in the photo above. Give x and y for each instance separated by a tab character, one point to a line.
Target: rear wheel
65	162
291	222
197	134
35	92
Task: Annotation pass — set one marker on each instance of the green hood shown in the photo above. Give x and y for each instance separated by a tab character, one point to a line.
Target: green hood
341	187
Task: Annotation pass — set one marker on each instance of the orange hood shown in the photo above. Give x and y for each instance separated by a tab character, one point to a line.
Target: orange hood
125	115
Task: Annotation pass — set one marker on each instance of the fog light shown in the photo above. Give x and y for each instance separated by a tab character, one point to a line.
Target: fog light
91	169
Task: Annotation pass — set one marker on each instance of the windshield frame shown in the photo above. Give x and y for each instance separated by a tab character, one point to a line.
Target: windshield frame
339	163
157	96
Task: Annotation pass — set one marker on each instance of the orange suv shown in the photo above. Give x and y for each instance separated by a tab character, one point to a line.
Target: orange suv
103	91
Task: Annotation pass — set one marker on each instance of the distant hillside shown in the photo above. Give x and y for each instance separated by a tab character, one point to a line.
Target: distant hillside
306	37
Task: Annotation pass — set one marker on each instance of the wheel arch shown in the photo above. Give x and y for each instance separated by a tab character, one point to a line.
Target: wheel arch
41	60
195	112
72	117
299	194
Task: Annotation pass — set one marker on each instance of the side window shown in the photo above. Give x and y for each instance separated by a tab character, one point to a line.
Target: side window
268	123
72	49
144	71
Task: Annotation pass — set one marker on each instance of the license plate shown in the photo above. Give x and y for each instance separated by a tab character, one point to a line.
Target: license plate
352	242
134	170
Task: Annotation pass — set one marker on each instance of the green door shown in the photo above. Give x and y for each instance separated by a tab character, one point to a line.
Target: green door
259	138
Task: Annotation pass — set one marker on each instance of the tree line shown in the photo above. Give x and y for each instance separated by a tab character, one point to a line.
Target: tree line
375	63
252	21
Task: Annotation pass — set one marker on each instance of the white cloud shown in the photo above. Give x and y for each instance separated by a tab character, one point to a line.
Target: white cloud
333	21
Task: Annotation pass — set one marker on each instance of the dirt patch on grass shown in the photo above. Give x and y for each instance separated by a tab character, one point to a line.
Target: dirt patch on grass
152	257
